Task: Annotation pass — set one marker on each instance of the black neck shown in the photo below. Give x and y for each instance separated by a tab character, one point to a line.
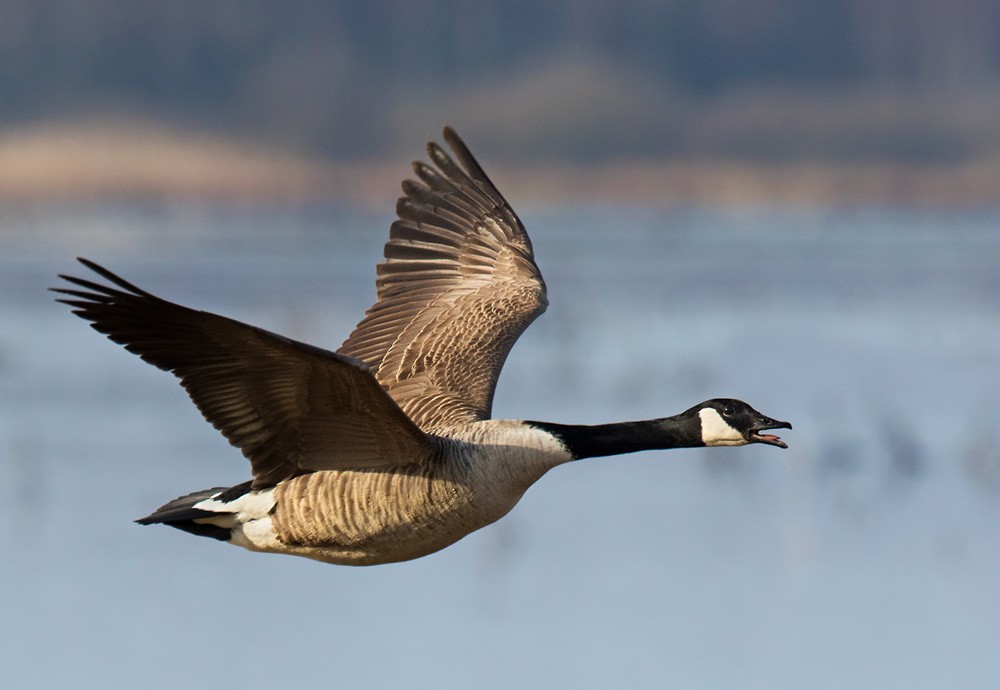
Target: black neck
626	437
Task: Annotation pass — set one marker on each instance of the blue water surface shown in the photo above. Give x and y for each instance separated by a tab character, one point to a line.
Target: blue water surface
866	555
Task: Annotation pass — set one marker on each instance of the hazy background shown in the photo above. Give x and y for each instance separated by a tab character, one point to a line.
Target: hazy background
814	100
792	202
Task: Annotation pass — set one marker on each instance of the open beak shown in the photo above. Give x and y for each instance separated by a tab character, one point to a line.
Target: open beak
765	423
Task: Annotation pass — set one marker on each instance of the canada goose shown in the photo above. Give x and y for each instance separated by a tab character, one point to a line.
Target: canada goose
385	450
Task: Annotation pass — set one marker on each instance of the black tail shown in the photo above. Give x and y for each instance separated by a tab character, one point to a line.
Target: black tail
181	513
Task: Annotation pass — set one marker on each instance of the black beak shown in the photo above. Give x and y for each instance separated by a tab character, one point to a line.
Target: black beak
764	423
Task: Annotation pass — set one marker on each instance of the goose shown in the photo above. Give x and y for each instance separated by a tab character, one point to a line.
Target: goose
385	450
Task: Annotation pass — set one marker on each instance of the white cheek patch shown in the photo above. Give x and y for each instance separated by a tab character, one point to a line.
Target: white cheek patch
715	431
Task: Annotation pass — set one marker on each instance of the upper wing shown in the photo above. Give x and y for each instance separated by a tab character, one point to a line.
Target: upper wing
288	406
458	286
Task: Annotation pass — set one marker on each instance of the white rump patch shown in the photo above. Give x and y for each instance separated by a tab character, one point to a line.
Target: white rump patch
252	528
716	431
248	517
253	504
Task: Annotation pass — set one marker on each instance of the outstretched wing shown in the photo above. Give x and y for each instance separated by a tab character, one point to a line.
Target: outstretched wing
290	407
457	288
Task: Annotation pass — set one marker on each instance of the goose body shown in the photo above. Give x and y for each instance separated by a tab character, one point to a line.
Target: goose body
385	450
362	518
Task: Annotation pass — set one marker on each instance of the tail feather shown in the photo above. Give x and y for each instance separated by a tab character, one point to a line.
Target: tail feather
182	514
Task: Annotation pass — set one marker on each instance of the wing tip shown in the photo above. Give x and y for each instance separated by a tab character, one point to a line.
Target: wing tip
451	136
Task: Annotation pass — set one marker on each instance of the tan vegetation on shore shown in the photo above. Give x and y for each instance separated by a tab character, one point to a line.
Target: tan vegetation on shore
130	160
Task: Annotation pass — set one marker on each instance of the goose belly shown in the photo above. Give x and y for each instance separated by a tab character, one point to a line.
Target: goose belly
365	518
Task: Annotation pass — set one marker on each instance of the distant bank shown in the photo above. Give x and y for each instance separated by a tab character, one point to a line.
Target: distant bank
56	162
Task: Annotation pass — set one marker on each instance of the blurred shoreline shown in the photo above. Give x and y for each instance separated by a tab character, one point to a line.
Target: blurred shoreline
59	162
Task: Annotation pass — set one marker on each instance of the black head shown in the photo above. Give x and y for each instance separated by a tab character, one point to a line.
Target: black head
729	422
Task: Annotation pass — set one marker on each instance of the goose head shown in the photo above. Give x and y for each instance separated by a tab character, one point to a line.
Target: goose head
729	422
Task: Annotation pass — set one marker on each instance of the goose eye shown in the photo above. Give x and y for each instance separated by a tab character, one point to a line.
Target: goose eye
728	410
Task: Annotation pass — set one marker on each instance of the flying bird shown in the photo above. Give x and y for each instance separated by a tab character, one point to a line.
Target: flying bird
385	450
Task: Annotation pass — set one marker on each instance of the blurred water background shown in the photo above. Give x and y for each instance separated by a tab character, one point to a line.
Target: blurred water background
795	203
866	555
